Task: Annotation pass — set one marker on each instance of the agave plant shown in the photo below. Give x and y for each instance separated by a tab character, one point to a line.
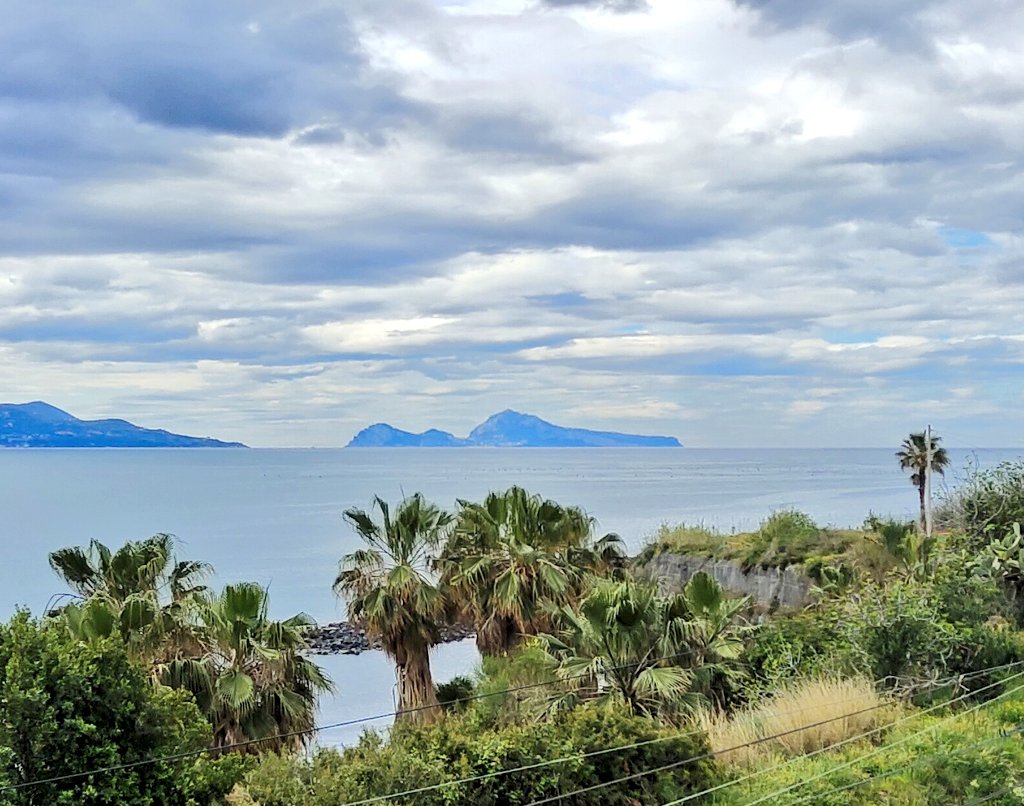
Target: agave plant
390	588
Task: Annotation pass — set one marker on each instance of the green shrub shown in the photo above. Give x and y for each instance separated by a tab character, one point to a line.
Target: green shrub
453	693
790	537
985	502
453	749
69	707
791	646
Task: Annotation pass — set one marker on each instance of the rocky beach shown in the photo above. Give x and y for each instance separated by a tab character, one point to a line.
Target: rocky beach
344	638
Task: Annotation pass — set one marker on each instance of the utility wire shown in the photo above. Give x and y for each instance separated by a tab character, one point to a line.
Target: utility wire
885	747
850	739
917	762
314	730
1006	790
579	756
691	759
539	764
763	739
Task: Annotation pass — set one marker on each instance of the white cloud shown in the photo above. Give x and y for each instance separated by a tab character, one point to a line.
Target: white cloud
755	221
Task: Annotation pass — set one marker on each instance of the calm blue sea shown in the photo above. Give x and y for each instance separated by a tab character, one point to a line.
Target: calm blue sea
275	516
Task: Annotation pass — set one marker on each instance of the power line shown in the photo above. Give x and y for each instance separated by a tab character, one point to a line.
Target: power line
538	765
763	739
316	729
851	739
1006	790
604	751
873	753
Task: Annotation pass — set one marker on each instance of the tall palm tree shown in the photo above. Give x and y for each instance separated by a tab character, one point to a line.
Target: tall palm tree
250	676
391	589
654	653
913	456
514	555
140	592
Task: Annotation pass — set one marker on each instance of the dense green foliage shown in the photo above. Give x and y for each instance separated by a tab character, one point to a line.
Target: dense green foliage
653	653
246	671
459	748
70	707
985	502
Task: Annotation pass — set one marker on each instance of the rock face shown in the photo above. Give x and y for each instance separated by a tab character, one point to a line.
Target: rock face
507	429
40	425
769	587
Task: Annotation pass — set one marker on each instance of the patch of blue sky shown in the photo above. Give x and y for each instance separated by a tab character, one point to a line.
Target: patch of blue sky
566	299
965	238
740	366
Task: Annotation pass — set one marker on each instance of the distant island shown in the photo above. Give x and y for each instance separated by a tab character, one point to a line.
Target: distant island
40	425
508	429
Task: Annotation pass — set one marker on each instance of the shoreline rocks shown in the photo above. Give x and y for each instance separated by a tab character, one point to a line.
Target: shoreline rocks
344	638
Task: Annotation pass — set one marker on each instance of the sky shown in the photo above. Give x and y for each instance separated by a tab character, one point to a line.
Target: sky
739	222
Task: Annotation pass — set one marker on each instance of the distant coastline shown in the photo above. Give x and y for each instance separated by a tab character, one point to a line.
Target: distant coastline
507	429
41	425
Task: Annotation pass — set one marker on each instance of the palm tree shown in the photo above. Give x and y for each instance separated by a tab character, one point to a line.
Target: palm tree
246	671
913	456
514	555
140	592
654	653
390	588
250	676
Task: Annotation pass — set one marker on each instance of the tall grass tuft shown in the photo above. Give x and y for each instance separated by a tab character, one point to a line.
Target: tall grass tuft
803	704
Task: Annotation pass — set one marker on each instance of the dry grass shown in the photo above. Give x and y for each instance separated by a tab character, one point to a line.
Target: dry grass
806	703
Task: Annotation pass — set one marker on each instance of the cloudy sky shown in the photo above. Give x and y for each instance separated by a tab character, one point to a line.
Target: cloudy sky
741	222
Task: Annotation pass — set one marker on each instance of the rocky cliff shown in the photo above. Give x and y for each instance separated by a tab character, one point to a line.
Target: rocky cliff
769	587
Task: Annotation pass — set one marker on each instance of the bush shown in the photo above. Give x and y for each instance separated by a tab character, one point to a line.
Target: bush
793	646
451	750
898	630
70	707
985	501
453	693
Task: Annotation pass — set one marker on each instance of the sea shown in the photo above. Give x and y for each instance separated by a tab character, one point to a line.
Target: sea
275	516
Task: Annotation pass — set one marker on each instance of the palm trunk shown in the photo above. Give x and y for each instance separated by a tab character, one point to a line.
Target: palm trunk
920	494
417	700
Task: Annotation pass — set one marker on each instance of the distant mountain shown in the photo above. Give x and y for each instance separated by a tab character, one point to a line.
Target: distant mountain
40	425
382	435
508	429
